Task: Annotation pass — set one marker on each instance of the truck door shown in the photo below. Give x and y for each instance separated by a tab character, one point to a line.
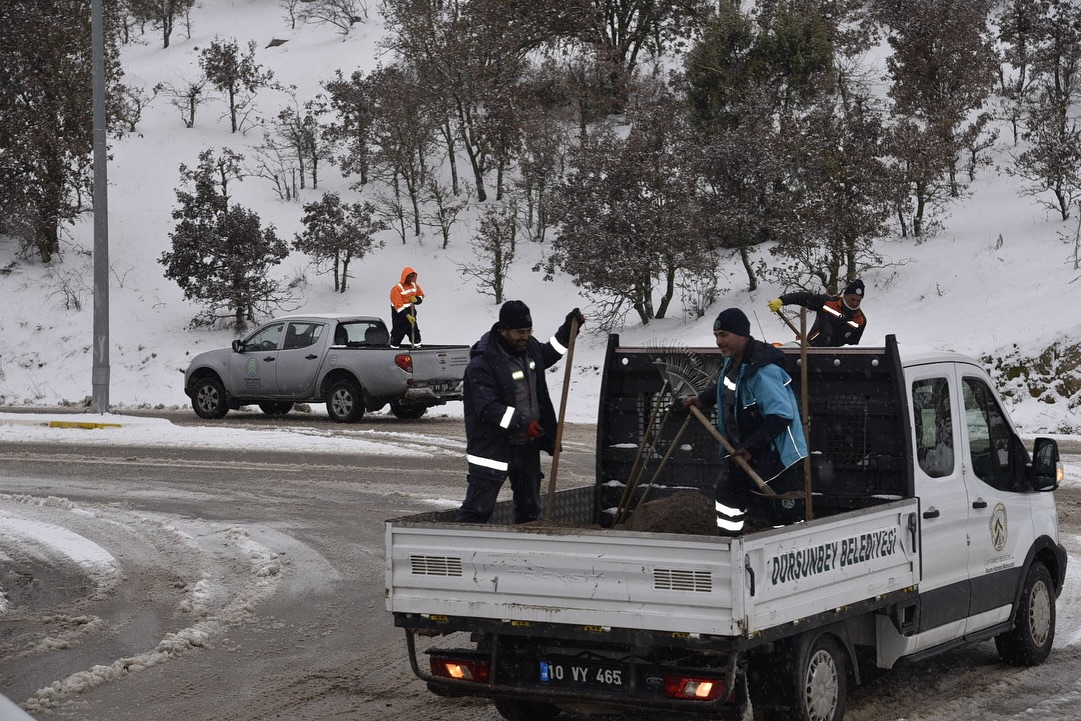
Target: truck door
253	373
300	358
1000	530
945	591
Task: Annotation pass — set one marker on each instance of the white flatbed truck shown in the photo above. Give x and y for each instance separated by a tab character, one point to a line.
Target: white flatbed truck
932	527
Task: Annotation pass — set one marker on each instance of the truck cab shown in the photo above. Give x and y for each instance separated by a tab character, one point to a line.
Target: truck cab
984	510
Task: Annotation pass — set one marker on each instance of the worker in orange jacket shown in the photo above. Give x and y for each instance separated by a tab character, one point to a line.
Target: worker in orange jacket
405	296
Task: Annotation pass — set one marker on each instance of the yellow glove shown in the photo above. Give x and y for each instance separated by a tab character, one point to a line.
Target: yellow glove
412	319
775	305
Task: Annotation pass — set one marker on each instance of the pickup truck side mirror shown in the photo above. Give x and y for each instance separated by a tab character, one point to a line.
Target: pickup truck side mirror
236	345
1046	469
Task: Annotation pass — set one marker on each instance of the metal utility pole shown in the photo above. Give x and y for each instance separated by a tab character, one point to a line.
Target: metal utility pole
100	375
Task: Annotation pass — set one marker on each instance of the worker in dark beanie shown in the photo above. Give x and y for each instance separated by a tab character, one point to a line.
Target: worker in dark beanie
509	418
839	319
757	413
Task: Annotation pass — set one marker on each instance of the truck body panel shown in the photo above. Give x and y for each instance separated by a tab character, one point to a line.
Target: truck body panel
651	581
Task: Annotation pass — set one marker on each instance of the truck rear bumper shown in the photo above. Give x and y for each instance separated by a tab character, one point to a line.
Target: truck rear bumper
434	396
621	680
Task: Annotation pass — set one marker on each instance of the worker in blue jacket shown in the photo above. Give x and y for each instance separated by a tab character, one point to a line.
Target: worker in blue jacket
509	416
758	414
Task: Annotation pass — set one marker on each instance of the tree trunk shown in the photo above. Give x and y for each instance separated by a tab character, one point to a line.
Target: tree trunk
745	259
669	291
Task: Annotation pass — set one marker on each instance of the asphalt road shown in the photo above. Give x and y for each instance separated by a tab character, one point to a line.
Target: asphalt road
248	585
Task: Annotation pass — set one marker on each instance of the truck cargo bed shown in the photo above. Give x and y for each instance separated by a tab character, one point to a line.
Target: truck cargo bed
568	573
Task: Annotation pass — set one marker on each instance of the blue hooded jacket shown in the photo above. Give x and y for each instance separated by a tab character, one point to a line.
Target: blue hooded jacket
766	413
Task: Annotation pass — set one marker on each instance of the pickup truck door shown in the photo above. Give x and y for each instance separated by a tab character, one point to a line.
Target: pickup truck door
1000	529
300	358
945	589
253	371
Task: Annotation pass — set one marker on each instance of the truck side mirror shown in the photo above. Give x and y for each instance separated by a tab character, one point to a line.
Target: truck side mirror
1046	470
236	345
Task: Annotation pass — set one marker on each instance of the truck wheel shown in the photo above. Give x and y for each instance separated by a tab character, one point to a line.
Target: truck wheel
809	681
208	398
1029	642
407	411
344	402
515	710
275	408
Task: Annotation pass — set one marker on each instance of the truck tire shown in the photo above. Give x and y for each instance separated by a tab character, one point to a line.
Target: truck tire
208	398
807	680
407	411
515	710
345	403
275	408
1029	642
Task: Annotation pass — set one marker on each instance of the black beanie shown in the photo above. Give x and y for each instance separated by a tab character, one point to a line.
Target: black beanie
515	314
854	288
734	321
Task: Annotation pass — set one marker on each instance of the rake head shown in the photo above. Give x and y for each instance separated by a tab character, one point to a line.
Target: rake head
686	372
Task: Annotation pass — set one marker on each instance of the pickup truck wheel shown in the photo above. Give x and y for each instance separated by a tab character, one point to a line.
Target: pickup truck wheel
208	398
514	710
344	402
1029	642
275	408
807	681
407	411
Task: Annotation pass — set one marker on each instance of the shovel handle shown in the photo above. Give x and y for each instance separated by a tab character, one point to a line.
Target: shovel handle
567	359
766	490
791	325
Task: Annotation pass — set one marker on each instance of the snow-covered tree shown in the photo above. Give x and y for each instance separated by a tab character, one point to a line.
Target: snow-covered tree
220	253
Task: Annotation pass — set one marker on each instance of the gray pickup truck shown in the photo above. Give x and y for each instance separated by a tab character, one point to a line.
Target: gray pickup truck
344	361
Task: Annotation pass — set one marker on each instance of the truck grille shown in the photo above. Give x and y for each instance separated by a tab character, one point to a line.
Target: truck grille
669	579
435	565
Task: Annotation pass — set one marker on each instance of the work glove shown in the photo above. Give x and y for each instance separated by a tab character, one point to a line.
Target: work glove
534	430
412	319
419	299
775	305
563	335
688	401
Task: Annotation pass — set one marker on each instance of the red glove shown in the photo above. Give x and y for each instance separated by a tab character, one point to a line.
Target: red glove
534	430
689	401
742	453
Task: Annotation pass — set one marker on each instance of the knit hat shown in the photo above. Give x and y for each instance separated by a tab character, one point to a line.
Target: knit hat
515	314
732	320
854	288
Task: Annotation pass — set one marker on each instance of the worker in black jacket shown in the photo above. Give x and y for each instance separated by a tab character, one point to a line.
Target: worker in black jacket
509	416
839	320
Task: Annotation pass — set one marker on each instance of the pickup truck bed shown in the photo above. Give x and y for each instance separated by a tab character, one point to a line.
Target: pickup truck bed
580	576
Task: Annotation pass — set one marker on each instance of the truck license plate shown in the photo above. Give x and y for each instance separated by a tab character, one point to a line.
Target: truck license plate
581	673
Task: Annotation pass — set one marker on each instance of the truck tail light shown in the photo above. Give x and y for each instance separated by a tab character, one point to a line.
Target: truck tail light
690	687
461	669
404	361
